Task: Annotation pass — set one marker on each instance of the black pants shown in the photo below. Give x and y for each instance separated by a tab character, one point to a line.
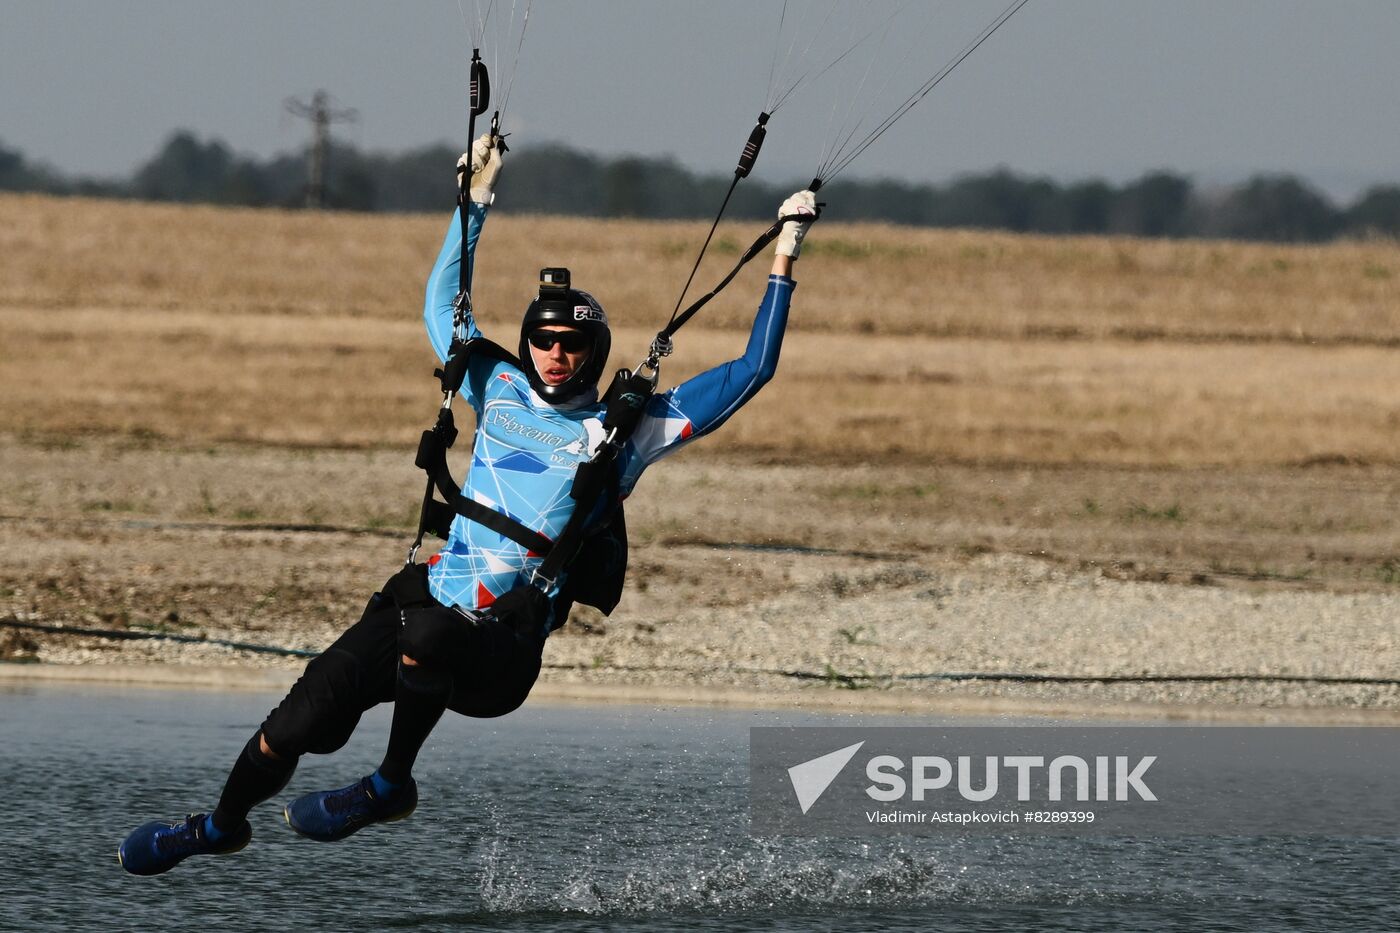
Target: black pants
492	670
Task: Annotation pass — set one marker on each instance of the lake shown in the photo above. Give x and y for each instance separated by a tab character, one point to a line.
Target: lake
571	817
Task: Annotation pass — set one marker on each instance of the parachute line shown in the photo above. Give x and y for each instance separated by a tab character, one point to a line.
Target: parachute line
776	102
488	36
846	121
830	65
777	44
515	63
482	20
841	160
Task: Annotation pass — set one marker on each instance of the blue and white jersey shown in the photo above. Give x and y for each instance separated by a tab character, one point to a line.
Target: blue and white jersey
526	450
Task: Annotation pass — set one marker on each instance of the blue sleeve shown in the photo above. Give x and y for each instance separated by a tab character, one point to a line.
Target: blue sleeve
445	278
699	405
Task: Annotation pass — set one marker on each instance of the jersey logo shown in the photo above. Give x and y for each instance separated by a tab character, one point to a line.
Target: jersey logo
498	414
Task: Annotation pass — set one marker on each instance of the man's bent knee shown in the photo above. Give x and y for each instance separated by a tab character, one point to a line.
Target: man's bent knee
320	712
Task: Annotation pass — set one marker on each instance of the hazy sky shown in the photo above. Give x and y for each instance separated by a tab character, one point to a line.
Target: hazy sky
1072	88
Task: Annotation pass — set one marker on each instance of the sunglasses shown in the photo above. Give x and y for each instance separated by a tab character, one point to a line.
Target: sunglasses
570	341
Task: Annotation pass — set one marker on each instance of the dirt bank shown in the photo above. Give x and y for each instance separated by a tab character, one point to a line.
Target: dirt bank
766	583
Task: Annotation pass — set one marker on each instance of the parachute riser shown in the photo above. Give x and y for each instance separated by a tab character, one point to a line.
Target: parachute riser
663	338
478	99
747	157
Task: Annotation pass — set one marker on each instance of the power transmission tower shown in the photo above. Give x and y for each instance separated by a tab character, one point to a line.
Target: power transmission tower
321	115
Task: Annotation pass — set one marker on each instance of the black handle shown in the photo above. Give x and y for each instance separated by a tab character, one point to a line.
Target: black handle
480	85
752	146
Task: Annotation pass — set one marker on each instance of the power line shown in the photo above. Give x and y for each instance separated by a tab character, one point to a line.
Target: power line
321	115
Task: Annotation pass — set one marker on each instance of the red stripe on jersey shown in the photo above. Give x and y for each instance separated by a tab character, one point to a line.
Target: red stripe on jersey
484	597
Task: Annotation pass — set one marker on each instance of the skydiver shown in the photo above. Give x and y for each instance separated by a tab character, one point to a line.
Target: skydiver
465	630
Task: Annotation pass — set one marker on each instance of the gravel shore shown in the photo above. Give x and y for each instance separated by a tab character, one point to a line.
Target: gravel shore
747	581
914	634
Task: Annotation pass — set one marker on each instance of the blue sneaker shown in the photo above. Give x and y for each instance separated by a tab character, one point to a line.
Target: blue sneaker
334	814
158	847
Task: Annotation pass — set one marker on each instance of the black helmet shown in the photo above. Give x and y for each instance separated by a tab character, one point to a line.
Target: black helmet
558	304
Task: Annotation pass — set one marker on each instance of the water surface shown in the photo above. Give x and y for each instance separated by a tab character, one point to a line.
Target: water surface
583	818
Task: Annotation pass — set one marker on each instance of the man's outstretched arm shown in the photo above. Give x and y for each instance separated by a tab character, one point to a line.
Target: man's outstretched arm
442	285
484	162
700	405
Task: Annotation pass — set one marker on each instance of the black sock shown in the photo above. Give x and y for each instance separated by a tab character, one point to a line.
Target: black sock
419	699
255	777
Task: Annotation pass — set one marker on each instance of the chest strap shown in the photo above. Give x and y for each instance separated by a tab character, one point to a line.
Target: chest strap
436	516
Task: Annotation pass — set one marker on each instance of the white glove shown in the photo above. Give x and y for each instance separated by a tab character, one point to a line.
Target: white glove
790	240
484	161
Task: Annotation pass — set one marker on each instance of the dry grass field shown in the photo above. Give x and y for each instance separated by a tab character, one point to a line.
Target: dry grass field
1184	415
198	324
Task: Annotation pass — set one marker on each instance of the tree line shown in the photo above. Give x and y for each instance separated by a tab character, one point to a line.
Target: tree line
556	179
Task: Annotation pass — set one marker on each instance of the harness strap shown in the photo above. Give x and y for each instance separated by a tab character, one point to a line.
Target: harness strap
626	401
434	516
437	518
432	459
502	524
